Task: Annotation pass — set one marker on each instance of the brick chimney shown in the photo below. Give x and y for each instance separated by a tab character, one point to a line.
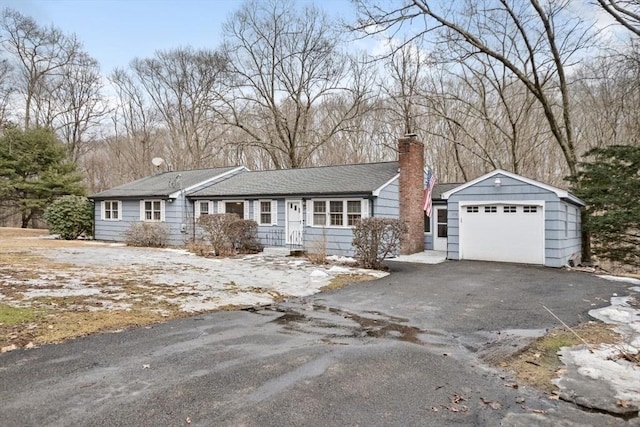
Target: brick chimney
411	163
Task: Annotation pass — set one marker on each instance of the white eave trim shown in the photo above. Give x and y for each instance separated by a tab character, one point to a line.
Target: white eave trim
206	181
377	191
562	194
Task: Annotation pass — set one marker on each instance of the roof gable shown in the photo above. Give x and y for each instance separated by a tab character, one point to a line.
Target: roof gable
562	194
363	178
167	184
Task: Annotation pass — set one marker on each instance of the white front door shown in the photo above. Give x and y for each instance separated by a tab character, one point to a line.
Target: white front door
440	228
294	222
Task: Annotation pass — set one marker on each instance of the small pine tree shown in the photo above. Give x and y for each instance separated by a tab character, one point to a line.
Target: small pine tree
70	217
609	182
35	170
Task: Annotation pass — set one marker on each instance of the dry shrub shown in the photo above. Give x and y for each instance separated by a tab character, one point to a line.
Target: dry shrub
376	239
199	247
244	235
147	235
228	234
318	250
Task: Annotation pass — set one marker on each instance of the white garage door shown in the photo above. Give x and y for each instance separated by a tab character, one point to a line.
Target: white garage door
498	232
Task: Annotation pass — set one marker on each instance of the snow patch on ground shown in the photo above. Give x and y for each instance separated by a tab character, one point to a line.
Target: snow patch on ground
603	363
621	279
107	273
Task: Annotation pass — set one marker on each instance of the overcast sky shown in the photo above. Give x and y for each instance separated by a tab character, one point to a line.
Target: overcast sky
116	31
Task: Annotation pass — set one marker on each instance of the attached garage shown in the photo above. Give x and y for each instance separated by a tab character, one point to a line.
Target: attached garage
509	218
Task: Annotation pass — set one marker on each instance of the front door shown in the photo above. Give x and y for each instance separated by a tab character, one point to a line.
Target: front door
294	222
440	232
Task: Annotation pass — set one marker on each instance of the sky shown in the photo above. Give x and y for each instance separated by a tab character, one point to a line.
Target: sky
116	31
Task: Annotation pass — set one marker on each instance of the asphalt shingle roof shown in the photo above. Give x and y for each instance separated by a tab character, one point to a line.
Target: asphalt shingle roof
438	189
162	185
344	179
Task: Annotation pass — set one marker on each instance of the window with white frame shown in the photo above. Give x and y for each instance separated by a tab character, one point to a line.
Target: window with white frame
235	208
337	213
152	210
111	210
320	212
203	207
265	212
354	212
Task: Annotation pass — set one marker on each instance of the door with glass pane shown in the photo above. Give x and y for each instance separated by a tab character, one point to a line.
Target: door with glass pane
440	229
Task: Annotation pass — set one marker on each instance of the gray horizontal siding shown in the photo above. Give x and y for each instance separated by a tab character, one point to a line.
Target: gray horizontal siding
114	231
338	240
387	203
428	241
273	235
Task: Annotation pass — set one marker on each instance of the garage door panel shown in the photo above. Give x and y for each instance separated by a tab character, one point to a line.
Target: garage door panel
503	236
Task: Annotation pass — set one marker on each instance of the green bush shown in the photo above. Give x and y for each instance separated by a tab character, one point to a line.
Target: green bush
70	216
147	235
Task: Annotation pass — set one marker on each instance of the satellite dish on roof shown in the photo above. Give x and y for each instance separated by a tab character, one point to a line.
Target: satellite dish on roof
157	161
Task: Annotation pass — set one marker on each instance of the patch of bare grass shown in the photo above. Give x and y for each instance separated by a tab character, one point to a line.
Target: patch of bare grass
539	363
12	233
342	280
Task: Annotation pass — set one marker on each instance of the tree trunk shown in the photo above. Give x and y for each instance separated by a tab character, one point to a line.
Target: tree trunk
26	218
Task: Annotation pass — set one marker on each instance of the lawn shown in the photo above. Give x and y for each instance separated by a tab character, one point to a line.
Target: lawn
52	290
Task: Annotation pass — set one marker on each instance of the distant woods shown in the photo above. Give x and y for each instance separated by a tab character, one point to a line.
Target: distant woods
524	86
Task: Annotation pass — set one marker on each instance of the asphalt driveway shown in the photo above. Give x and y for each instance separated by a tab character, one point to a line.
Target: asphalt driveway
475	297
402	350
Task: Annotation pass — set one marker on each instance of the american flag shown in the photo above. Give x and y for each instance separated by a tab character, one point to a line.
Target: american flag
429	183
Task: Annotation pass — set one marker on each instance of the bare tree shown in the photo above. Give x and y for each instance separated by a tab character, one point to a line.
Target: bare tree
6	90
535	41
184	84
406	66
79	104
40	53
625	12
286	61
135	123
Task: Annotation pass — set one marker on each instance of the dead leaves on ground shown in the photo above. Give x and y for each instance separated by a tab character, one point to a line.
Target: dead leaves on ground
459	403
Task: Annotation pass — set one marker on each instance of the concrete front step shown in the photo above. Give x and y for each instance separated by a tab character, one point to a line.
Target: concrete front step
277	251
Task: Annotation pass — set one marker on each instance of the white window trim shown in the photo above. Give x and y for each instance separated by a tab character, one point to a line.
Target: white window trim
197	207
222	207
364	211
142	210
103	210
257	212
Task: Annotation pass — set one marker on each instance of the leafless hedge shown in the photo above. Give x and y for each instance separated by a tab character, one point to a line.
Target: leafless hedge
376	239
147	235
228	234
